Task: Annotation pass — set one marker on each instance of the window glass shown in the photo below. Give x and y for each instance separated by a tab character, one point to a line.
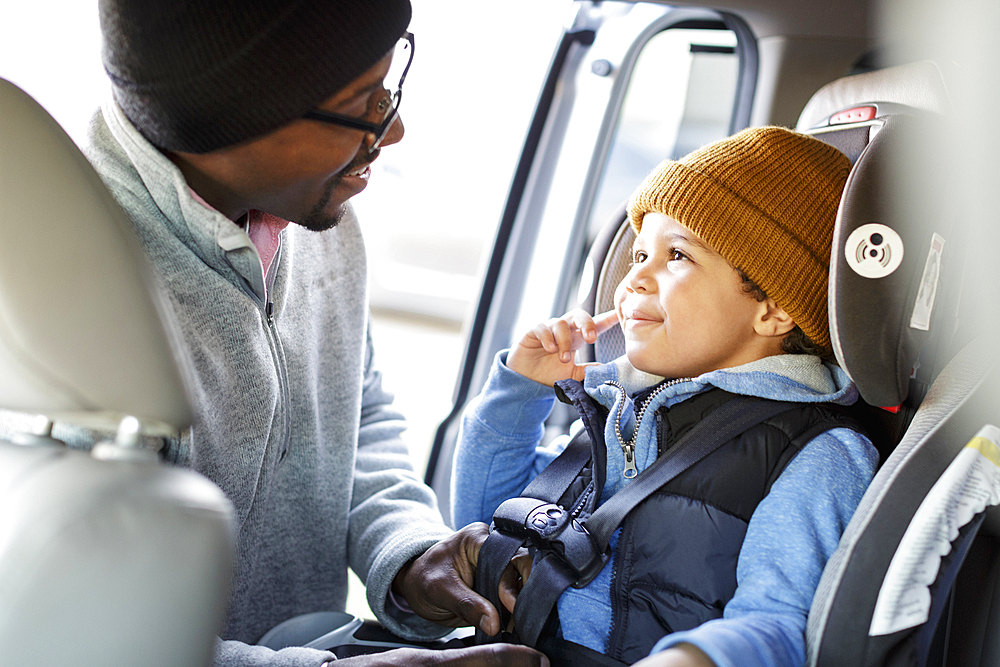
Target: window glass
680	96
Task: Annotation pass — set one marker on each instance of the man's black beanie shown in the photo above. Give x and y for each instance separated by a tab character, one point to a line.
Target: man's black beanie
198	75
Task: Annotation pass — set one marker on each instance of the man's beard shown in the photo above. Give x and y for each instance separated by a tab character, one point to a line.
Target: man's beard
318	220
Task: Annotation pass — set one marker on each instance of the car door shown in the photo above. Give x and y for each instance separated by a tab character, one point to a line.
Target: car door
630	84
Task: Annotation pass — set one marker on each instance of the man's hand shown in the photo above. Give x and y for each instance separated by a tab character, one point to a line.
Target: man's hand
438	585
490	655
546	354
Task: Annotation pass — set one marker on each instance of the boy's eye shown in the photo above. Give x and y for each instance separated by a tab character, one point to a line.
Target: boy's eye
639	256
676	255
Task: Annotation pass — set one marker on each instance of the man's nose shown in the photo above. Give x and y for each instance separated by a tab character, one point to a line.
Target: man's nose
395	133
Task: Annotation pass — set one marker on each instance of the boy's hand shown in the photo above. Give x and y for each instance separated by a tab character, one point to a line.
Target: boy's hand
679	655
547	353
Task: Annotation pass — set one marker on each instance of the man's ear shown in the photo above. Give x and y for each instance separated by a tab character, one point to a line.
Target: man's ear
772	320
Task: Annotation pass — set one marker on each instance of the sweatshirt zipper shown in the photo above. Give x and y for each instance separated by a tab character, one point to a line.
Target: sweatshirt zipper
628	448
266	307
278	355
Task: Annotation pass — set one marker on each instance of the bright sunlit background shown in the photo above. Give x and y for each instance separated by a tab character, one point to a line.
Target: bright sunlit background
433	201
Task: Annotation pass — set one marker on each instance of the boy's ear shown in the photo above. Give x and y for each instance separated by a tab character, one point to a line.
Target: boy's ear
772	320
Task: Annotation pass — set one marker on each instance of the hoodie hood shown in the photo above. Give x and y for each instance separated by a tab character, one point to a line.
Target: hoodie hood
787	377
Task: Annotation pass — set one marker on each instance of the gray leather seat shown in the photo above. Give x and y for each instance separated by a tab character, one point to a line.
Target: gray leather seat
107	558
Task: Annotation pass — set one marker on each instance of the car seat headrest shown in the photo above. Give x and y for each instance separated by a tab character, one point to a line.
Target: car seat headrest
914	86
891	263
81	337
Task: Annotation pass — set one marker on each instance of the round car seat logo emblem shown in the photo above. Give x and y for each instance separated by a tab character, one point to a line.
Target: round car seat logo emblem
545	518
874	250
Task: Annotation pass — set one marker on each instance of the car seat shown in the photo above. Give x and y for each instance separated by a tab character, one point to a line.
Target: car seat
909	336
107	558
915	575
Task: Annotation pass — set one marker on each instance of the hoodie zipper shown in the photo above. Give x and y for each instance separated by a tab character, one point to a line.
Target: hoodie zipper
266	307
628	448
278	355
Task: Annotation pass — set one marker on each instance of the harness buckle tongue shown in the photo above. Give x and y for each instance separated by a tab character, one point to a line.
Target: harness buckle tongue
630	469
553	530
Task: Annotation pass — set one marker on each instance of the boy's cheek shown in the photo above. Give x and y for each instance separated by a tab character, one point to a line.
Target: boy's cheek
619	298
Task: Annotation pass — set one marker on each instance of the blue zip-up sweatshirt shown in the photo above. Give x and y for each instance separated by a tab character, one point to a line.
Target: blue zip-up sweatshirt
790	536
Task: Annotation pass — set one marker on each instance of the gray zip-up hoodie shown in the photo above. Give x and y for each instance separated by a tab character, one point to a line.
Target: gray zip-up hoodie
291	418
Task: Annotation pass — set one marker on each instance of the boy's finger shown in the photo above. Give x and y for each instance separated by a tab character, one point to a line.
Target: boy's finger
544	335
564	339
585	324
605	321
580	370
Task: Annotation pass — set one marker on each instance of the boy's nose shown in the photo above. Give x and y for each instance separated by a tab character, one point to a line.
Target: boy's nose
637	279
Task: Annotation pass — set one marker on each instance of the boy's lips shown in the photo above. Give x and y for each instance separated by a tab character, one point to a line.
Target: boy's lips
639	316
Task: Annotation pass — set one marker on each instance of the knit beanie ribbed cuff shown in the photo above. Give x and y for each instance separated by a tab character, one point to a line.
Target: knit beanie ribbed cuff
766	199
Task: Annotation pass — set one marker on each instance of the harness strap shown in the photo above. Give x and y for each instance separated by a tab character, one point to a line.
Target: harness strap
552	483
534	603
564	653
729	420
498	550
723	424
494	556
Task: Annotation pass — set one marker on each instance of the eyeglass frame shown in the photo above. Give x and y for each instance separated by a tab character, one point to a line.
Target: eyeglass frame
380	130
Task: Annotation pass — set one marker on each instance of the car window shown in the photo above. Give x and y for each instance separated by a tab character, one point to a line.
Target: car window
631	85
680	96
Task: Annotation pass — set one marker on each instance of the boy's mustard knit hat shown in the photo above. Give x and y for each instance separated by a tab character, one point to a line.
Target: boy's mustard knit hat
766	200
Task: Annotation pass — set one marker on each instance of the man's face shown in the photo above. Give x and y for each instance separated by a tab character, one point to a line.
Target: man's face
303	172
681	306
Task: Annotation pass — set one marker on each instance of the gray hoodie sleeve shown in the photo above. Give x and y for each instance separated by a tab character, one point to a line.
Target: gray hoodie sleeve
237	654
394	516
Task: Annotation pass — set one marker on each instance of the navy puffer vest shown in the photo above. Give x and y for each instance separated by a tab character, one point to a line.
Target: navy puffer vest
675	563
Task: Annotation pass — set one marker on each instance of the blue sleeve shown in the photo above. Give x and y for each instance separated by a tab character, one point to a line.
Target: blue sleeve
792	533
497	453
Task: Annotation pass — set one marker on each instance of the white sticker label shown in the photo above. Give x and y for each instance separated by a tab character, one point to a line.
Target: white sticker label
966	488
921	318
874	250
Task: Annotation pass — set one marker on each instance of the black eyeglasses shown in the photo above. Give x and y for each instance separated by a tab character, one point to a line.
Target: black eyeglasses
388	106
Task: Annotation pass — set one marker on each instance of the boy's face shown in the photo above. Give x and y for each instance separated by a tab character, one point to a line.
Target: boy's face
682	307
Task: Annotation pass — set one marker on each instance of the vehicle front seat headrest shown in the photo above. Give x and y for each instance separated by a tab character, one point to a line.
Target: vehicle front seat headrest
81	333
109	557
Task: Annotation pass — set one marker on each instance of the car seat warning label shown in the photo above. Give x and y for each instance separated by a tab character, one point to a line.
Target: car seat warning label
966	488
921	318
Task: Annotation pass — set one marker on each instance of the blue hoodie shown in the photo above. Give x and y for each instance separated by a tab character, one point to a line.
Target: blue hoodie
790	536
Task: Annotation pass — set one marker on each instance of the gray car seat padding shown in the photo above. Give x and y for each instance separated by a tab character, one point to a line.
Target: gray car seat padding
949	416
890	266
611	344
918	85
